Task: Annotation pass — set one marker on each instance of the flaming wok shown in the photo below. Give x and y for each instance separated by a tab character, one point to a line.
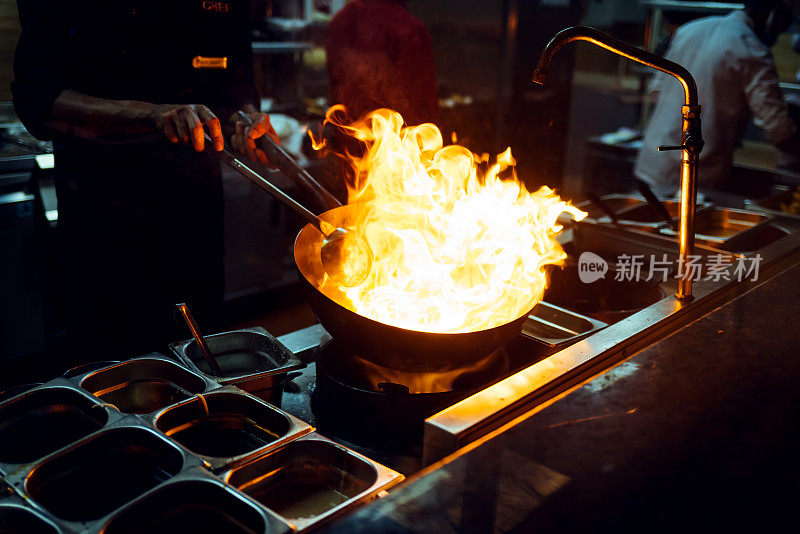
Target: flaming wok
384	344
456	258
458	250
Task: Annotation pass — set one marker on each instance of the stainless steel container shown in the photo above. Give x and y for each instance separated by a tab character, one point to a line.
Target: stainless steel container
648	214
556	326
80	486
226	427
617	203
15	517
607	299
633	211
78	481
97	476
13	391
726	228
45	419
312	480
77	464
194	503
648	218
251	359
144	385
771	205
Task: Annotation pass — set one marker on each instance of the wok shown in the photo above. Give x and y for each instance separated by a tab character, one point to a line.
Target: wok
380	343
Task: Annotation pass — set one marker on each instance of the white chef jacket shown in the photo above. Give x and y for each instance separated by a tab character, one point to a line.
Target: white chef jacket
736	79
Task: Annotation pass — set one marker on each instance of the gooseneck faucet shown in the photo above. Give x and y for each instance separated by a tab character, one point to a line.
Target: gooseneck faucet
691	138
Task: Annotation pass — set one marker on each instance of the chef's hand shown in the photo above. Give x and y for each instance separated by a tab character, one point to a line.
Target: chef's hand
244	137
184	124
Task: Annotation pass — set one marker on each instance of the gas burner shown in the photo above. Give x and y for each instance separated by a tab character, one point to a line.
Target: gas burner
355	372
371	404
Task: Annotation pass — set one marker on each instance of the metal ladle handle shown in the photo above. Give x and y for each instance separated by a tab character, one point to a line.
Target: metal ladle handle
656	204
285	162
325	228
600	204
198	338
289	166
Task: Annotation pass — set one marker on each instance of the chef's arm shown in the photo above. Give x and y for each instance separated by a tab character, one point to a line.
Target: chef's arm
766	103
244	136
242	94
48	104
88	117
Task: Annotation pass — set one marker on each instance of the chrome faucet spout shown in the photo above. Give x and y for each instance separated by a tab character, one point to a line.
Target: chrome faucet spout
598	38
691	138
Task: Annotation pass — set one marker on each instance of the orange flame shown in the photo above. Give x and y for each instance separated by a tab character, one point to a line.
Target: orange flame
455	250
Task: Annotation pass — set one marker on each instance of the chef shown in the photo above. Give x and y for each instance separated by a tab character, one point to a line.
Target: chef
730	59
381	56
126	91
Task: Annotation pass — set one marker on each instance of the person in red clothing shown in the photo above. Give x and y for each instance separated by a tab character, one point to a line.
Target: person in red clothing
380	56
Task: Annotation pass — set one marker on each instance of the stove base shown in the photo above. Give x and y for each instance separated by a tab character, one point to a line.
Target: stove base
380	407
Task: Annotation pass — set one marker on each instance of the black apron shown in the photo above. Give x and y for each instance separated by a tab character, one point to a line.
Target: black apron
142	222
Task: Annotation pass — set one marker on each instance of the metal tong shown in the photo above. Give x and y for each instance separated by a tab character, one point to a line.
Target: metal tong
338	242
285	163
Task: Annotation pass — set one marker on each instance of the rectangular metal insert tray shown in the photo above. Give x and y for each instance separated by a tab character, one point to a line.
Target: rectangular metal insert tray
312	480
194	502
556	326
725	226
16	516
647	216
634	212
251	359
83	484
227	427
46	419
104	472
771	205
144	385
122	473
618	203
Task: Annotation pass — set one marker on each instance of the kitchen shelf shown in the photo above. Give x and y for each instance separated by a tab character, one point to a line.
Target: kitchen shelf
280	47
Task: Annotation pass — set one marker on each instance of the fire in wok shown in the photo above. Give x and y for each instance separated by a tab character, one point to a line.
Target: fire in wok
455	249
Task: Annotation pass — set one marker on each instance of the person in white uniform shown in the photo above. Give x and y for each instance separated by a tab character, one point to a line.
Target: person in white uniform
730	59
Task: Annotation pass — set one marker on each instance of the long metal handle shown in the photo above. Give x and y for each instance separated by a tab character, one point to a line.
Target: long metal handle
266	185
654	201
287	164
284	161
602	206
198	338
